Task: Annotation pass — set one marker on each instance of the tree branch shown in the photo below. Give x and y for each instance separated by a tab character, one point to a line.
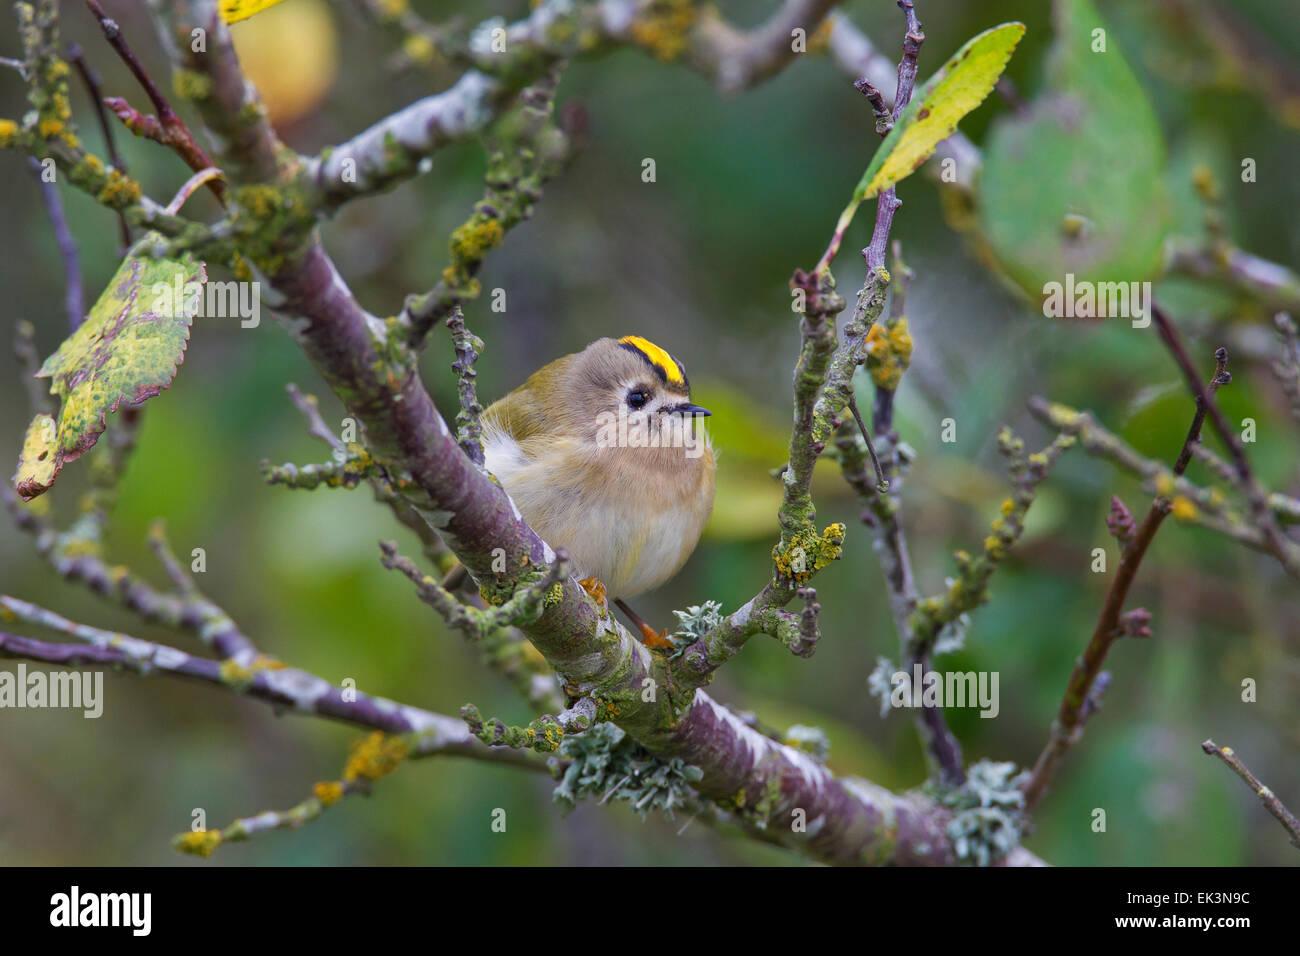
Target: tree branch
593	655
1266	796
1079	701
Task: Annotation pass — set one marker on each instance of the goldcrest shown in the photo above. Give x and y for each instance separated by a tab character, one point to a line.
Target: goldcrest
603	454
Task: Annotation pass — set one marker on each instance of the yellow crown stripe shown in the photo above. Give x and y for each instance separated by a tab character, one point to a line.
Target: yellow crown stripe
657	357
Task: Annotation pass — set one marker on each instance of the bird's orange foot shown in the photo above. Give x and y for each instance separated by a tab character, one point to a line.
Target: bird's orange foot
649	636
596	589
652	638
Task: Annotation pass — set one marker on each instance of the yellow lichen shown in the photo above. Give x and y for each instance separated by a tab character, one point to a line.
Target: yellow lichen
821	37
419	49
994	548
663	26
900	341
259	200
199	842
375	756
808	553
475	238
119	191
889	353
234	673
328	792
191	85
1203	181
1184	508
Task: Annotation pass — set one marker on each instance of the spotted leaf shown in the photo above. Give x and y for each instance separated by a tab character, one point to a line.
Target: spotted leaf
125	352
39	462
933	114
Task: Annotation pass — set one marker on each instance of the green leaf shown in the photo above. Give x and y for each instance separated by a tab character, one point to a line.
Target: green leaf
933	114
126	352
1076	184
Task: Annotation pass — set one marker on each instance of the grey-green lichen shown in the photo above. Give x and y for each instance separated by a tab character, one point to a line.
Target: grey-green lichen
988	818
693	623
810	740
607	764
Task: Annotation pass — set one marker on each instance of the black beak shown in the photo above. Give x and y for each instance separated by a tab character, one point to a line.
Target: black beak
686	408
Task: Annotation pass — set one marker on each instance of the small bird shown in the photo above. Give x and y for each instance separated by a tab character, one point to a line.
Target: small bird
602	454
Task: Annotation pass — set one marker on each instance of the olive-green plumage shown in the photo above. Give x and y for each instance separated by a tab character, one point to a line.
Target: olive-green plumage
603	456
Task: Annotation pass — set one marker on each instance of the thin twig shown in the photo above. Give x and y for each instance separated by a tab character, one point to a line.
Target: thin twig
887	204
882	483
29	363
208	175
91	81
281	687
1266	796
1076	705
175	133
181	580
1281	548
73	303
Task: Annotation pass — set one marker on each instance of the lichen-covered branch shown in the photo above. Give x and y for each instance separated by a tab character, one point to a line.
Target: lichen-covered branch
469	425
522	607
47	131
1286	364
166	128
1281	547
1190	502
1273	285
75	558
592	654
348	473
1081	698
266	680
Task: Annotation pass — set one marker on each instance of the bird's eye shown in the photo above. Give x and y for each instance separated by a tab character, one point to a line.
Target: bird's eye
637	398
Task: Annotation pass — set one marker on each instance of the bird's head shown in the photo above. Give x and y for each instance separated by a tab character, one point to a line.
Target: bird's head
636	387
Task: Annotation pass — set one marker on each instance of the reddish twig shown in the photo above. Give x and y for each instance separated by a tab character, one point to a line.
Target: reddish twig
167	127
1080	701
1277	544
91	81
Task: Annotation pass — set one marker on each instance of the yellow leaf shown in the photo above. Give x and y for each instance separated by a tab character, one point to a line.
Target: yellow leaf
291	55
232	11
40	460
932	116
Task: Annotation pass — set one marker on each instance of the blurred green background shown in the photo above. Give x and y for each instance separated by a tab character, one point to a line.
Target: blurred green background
747	189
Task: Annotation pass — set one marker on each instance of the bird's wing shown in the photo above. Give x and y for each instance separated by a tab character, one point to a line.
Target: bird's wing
521	415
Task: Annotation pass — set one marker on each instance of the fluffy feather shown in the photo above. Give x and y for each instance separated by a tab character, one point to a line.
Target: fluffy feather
628	516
